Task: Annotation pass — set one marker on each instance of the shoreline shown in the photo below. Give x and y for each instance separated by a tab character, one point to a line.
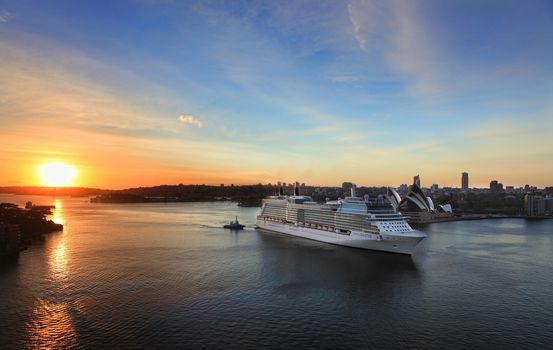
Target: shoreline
472	217
20	227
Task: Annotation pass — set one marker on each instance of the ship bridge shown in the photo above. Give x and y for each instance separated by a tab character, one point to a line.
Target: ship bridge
356	205
300	200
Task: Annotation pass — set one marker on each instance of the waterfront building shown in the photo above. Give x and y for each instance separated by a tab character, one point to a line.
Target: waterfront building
417	207
434	188
465	181
534	205
548	201
403	189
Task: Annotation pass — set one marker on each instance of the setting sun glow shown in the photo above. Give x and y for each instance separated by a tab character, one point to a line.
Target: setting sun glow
56	174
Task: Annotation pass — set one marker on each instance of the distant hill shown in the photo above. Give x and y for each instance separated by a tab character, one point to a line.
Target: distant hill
49	191
245	195
187	193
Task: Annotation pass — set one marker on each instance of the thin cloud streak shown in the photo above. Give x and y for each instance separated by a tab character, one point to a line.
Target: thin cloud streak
356	26
5	16
191	120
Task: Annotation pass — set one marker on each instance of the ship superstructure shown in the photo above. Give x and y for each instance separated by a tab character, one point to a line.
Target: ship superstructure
353	221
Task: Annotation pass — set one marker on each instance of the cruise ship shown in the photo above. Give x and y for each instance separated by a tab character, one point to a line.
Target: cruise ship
354	222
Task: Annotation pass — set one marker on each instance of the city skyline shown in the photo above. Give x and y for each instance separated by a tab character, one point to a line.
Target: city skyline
127	94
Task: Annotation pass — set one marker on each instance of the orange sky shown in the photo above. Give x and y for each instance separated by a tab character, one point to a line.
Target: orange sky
215	97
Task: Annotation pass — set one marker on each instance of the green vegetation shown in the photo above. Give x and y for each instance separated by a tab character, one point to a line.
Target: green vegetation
32	223
484	203
246	195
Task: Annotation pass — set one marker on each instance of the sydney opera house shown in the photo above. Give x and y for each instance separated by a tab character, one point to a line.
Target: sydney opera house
418	207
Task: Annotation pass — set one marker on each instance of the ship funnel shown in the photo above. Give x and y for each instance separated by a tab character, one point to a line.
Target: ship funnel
353	191
296	189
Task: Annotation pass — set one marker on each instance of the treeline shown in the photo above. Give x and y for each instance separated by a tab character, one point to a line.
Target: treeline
484	203
247	195
32	222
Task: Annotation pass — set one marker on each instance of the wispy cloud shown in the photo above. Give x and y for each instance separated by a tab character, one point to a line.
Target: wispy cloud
52	85
512	128
349	84
5	16
394	29
345	78
190	119
356	26
416	51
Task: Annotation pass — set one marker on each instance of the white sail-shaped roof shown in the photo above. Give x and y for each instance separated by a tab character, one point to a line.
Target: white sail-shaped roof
417	197
430	203
393	197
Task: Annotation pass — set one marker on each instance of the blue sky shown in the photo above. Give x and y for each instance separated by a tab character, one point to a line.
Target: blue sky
245	91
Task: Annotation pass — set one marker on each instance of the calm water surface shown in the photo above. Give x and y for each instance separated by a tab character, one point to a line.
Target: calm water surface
166	275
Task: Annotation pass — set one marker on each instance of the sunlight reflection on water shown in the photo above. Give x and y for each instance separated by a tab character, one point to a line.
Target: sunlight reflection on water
57	214
51	326
57	259
57	255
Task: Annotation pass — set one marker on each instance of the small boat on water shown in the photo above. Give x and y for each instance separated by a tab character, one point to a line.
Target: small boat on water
235	225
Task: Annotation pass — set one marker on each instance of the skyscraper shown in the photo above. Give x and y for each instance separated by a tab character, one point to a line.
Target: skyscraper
465	181
346	186
417	180
534	205
496	187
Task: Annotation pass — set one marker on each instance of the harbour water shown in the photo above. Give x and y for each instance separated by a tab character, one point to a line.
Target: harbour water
168	276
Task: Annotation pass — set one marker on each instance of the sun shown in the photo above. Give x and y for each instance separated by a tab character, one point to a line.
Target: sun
56	174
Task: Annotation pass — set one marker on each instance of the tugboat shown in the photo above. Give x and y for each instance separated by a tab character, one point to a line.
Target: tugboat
235	225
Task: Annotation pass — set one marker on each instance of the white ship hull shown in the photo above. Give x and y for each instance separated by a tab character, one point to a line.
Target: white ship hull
401	243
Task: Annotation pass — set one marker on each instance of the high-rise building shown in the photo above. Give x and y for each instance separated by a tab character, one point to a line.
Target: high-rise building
346	186
403	189
465	181
496	187
417	180
534	205
548	205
